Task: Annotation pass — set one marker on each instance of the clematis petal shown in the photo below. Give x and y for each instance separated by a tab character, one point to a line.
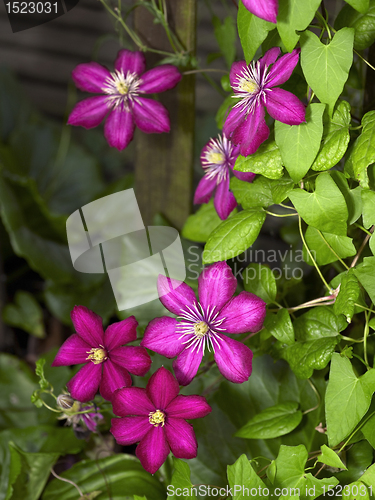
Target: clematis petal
151	116
161	337
265	9
129	430
162	388
285	106
175	295
234	119
216	286
153	449
85	384
224	200
181	438
186	365
134	358
88	325
244	313
121	333
114	377
244	176
252	132
129	61
236	70
188	407
204	190
159	79
233	359
74	351
119	128
282	70
132	401
89	113
269	57
90	77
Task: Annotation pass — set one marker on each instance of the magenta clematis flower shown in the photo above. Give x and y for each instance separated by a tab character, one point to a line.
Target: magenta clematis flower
107	362
217	159
155	417
205	324
265	9
122	97
255	86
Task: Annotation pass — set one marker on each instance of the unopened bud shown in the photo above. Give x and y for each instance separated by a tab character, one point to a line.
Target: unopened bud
65	401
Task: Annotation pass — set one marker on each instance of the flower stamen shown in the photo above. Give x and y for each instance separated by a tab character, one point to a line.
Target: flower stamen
200	329
97	355
156	418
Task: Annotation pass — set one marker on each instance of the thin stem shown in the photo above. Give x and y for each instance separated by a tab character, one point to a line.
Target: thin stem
365	335
280	215
310	255
317	395
363	59
364	243
363	229
356	430
326	25
363	307
67	481
332	250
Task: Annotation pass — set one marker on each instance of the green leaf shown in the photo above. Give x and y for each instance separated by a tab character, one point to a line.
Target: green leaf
252	194
39	370
34	473
325	208
317	323
121	473
352	490
326	247
335	138
306	356
181	479
368	203
233	236
299	144
293	16
281	188
200	225
326	67
252	31
273	422
280	326
352	196
365	273
242	475
347	399
266	161
26	314
330	457
290	473
348	296
259	279
226	35
359	5
363	23
363	152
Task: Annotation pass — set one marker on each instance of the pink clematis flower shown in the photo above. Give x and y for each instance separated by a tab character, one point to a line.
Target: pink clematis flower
155	417
265	9
217	159
122	98
107	363
255	86
205	324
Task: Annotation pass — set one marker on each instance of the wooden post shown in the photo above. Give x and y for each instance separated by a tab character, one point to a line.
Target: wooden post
164	162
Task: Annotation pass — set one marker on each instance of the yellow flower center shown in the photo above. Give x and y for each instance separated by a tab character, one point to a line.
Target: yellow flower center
97	355
200	329
121	87
215	158
156	418
248	85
